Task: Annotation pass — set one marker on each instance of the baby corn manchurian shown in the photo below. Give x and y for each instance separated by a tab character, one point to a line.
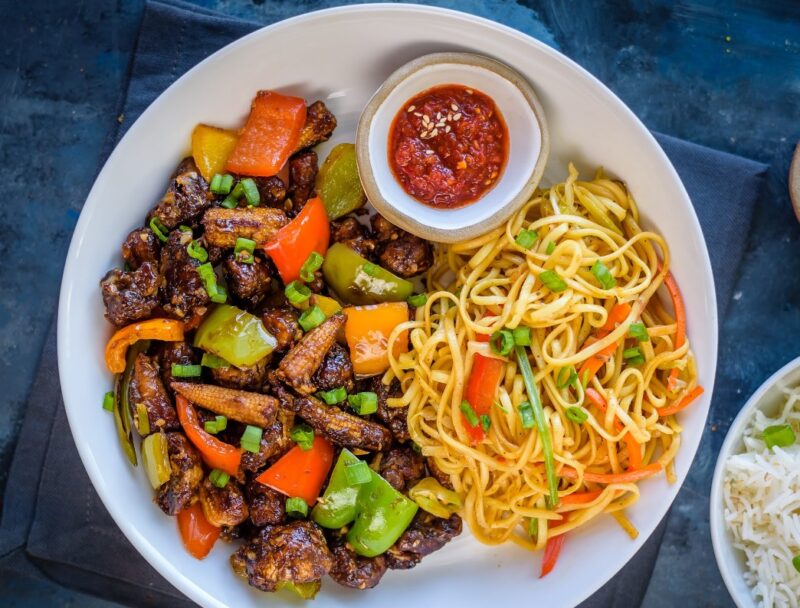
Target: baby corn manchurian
233	364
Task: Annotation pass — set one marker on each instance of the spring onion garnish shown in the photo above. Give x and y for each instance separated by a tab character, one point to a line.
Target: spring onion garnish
303	435
417	300
221	183
243	250
567	376
218	478
296	507
310	266
186	371
551	247
212	361
160	230
215	292
502	342
108	402
533	528
796	562
370	269
577	414
250	191
357	473
552	281
232	200
541	424
311	318
486	422
364	403
251	439
143	419
196	251
778	435
638	331
219	424
184	228
469	413
526	238
297	293
522	336
603	275
526	417
633	356
333	396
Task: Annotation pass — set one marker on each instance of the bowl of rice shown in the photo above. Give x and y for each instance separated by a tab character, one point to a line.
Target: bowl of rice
755	497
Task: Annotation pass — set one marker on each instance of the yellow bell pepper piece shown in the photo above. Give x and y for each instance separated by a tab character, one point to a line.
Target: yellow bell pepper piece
367	333
211	147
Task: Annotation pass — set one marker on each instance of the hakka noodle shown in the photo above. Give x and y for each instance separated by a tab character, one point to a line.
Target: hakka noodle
611	365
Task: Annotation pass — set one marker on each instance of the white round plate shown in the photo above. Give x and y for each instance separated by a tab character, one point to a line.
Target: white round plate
342	56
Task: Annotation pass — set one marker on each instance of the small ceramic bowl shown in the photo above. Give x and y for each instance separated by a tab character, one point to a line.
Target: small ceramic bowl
769	398
527	151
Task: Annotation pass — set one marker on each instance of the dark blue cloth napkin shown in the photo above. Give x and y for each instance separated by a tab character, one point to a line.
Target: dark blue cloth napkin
53	521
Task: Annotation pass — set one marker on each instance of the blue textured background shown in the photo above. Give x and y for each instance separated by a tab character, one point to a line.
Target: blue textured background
718	73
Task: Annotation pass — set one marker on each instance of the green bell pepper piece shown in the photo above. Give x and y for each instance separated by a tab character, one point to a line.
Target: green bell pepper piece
382	516
358	281
305	591
235	335
338	183
337	507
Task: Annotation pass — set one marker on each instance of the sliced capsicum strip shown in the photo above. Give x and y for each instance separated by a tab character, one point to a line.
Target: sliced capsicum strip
235	335
337	507
359	281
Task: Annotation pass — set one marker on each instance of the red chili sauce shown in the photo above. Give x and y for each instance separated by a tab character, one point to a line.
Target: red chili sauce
448	146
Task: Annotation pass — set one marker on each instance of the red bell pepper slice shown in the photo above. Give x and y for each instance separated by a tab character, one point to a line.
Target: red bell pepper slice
197	533
484	380
270	135
291	246
217	454
300	473
551	551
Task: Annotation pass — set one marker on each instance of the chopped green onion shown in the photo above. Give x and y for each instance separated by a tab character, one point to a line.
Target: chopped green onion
603	275
184	228
158	227
108	402
251	439
186	371
229	202
541	424
566	377
218	478
303	435
370	269
310	266
552	281
297	293
250	191
296	507
333	396
779	435
311	318
469	413
502	342
526	238
417	300
533	528
215	291
633	356
551	247
486	422
357	473
221	183
522	336
577	414
212	361
220	423
243	250
196	251
364	403
525	410
796	562
143	419
638	331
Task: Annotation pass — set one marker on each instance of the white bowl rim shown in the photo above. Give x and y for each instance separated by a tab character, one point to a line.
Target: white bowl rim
184	582
720	537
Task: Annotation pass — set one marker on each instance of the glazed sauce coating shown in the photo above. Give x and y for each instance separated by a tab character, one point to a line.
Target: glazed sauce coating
448	146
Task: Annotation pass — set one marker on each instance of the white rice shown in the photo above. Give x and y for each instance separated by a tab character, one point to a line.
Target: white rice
762	508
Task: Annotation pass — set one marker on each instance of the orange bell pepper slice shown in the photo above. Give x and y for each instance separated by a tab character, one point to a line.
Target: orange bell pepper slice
167	330
292	244
484	380
197	533
270	134
367	332
211	147
301	473
216	454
